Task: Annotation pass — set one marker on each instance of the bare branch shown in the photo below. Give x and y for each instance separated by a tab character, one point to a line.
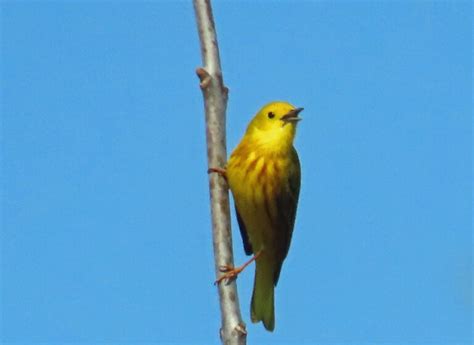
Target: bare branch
215	102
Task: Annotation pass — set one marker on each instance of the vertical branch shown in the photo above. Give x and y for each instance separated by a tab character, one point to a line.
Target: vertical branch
215	102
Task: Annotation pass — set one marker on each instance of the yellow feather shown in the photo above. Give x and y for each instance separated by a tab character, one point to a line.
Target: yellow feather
264	176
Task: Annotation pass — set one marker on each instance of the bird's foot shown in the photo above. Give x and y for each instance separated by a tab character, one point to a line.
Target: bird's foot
231	272
219	171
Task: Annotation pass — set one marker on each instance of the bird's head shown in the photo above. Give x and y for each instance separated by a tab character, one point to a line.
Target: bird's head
275	123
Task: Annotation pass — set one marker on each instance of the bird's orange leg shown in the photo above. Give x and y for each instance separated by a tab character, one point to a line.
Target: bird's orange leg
231	273
219	171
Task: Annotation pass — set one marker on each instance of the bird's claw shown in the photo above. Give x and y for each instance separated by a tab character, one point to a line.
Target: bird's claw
219	171
230	274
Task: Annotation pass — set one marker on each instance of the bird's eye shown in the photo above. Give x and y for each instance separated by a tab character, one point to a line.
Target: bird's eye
271	115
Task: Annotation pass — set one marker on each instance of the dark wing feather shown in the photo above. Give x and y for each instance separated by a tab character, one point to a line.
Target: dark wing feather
243	232
287	202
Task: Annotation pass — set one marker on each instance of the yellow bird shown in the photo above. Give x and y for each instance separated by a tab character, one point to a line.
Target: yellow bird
263	173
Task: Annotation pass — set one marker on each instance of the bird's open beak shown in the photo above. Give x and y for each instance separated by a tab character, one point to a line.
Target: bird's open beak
292	116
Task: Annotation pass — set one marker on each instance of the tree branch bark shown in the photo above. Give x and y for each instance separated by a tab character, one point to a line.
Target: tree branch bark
233	330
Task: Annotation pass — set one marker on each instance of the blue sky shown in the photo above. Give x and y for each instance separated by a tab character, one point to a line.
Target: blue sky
105	232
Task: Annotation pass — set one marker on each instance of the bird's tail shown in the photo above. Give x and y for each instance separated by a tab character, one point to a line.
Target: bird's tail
262	306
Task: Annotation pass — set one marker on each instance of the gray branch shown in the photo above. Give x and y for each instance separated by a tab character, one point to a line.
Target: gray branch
215	102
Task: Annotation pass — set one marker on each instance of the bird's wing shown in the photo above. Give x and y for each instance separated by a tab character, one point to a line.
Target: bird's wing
287	202
243	232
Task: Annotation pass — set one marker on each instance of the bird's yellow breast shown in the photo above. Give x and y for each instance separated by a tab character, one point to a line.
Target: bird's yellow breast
255	177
